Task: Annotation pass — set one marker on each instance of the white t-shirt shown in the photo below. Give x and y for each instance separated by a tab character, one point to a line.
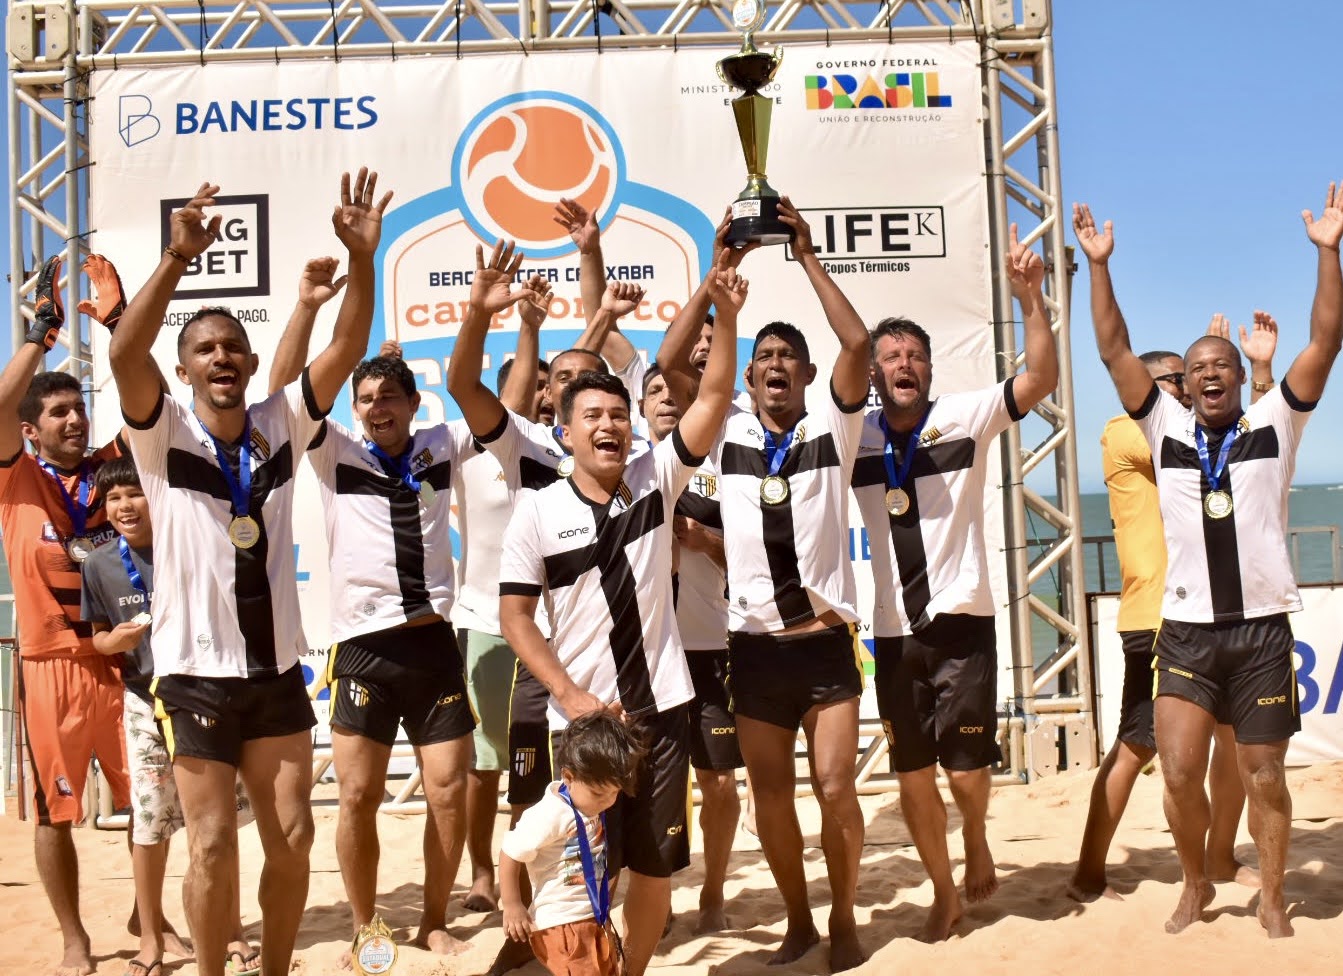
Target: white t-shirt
545	838
483	511
701	594
1237	567
605	572
228	612
930	559
390	551
788	563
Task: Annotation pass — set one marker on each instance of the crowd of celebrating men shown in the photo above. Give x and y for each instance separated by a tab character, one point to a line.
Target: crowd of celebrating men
694	582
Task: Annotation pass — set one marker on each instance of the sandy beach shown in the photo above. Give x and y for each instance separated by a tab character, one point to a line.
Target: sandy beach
1028	926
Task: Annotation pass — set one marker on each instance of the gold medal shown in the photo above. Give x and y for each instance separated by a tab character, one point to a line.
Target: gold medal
373	952
1217	504
79	548
427	493
244	532
774	490
565	467
897	501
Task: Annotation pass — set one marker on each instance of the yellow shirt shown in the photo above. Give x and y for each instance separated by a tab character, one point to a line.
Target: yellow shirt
1135	514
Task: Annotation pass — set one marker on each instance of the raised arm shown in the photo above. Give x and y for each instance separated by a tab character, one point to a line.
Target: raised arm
1310	370
1257	346
48	319
1127	371
491	293
850	377
520	388
587	237
139	383
358	224
703	419
317	285
1026	273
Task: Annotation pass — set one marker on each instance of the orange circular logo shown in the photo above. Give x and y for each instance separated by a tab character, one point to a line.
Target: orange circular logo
522	158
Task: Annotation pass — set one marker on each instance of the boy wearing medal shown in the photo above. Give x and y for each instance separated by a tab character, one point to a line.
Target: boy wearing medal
920	484
226	635
1225	645
52	517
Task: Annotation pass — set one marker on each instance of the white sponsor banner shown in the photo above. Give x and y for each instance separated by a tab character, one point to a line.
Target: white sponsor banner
1319	673
881	146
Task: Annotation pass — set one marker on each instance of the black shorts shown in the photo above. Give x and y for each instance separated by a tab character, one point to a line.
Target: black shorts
937	694
529	771
211	718
779	679
1242	672
647	832
713	730
1136	726
412	676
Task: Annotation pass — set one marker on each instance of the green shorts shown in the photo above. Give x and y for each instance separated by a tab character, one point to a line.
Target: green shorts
489	682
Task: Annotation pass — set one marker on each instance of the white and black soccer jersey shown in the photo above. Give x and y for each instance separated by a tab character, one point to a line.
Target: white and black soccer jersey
531	454
605	572
788	562
1236	567
930	559
390	546
228	612
701	592
483	511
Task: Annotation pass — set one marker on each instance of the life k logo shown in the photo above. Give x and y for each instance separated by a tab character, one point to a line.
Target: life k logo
136	120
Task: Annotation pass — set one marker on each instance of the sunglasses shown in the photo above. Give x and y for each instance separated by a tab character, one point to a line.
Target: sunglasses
1176	378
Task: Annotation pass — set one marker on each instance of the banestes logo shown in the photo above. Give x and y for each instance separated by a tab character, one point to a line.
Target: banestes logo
237	264
136	120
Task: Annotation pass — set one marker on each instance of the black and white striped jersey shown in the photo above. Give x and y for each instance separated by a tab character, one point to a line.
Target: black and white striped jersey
1236	567
221	611
930	559
483	511
701	595
389	544
531	454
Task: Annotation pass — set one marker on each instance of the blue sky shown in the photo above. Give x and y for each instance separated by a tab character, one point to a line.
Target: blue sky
1202	128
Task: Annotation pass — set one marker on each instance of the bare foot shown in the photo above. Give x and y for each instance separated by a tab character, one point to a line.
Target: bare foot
174	943
796	942
77	961
346	961
512	955
845	952
711	918
1275	923
942	918
438	940
1231	870
1085	888
481	897
1193	899
981	879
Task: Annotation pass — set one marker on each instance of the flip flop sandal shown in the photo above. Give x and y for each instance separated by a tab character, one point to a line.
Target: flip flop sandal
248	964
137	967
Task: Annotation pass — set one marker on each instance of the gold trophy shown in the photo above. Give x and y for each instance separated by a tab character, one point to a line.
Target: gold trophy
755	211
374	951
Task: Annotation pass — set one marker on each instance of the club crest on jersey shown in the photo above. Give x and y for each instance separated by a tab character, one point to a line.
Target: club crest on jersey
706	484
358	694
1243	424
524	761
422	460
204	721
930	436
260	445
800	433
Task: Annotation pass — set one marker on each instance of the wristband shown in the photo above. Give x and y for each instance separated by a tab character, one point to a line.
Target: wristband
1260	387
176	255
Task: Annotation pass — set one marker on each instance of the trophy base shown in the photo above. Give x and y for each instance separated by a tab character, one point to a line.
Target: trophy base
756	221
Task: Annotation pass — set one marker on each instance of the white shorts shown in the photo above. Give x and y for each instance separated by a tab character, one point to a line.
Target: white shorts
156	813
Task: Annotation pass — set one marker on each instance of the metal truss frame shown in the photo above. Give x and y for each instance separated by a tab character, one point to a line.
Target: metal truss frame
53	48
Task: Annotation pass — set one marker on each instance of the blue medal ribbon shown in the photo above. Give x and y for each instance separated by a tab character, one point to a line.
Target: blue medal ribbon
78	510
896	478
1214	475
398	465
599	892
239	485
776	450
136	579
557	432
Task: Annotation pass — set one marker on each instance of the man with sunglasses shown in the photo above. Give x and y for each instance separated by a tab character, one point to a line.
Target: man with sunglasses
1134	512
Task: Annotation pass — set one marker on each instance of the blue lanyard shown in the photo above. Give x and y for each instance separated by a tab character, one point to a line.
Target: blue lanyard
77	510
400	465
1201	441
137	580
556	433
777	450
599	892
894	478
239	485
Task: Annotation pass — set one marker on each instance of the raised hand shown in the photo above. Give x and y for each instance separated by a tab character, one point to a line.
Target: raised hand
727	289
621	298
318	284
188	233
581	225
47	304
491	288
1220	326
1328	229
535	309
1260	344
790	215
390	349
1025	268
111	296
734	255
1097	245
358	220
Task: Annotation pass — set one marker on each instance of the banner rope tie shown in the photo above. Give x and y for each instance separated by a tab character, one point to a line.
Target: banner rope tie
335	31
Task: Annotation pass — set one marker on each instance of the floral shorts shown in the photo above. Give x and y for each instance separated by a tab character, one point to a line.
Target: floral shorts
156	813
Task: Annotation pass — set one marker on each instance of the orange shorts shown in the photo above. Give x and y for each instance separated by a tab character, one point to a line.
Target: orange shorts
71	710
577	949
